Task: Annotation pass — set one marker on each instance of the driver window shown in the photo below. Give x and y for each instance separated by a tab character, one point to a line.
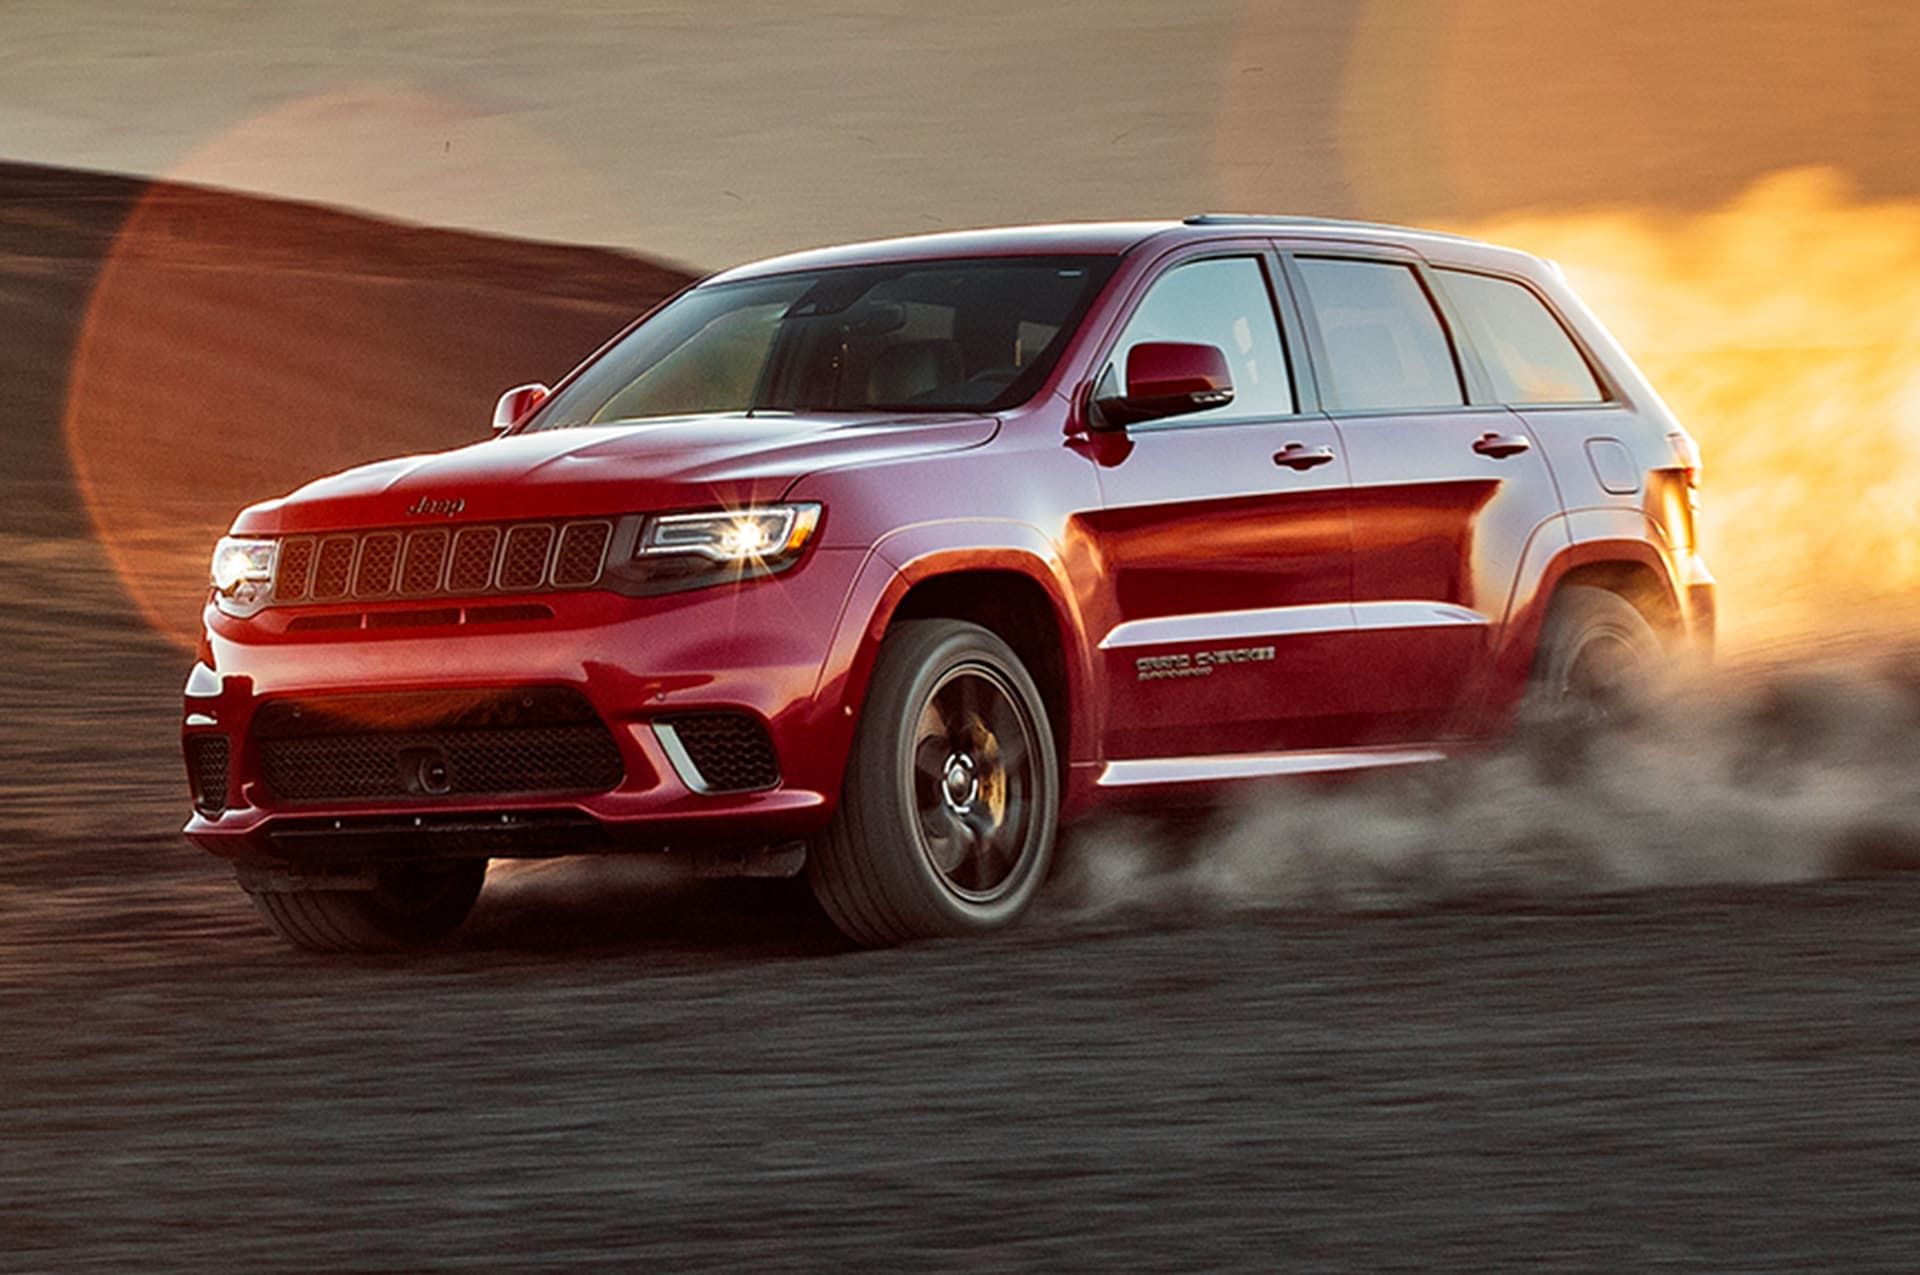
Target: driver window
1222	302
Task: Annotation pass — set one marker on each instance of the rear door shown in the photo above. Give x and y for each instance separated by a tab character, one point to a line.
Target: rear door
1223	540
1447	489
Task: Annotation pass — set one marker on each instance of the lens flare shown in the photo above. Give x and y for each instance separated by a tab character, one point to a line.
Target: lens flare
1783	330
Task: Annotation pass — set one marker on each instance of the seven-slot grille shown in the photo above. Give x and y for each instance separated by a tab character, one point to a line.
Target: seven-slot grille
431	561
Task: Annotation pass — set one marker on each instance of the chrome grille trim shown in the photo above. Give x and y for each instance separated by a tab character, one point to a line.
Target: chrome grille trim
427	562
377	563
333	568
581	545
417	577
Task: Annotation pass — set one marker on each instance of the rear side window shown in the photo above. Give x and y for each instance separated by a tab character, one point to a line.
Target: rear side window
1527	353
1223	302
1385	346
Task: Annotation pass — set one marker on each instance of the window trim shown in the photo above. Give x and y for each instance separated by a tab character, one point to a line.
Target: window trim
1473	381
1279	305
1610	395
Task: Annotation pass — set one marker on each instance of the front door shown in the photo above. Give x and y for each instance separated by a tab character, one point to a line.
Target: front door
1223	541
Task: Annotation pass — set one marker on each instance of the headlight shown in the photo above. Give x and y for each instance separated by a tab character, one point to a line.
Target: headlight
672	552
242	574
764	537
239	563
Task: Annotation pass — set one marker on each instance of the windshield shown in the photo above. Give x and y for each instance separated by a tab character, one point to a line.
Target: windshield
927	336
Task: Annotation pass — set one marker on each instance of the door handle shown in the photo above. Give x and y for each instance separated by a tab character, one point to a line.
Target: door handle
1500	446
1301	456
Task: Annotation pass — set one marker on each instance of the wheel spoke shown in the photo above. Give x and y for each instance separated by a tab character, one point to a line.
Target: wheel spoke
973	772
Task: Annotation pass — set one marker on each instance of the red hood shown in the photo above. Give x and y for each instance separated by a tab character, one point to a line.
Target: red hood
687	463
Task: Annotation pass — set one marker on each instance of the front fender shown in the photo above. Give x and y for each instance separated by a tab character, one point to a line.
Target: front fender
914	555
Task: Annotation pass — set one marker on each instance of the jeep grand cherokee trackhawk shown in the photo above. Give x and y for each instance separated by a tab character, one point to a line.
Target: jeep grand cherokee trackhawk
879	562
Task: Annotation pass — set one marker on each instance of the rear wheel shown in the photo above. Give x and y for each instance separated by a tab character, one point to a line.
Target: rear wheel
408	905
946	819
1597	658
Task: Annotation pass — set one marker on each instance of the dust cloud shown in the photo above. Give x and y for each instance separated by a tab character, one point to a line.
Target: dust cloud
1761	775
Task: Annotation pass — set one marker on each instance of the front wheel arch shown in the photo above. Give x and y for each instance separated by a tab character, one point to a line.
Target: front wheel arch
880	870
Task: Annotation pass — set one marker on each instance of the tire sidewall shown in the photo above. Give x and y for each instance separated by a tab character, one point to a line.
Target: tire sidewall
1581	614
903	686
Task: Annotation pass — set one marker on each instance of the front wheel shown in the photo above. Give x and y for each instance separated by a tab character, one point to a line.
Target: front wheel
947	816
408	905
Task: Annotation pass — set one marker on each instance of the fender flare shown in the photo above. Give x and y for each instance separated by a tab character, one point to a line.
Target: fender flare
1585	536
913	555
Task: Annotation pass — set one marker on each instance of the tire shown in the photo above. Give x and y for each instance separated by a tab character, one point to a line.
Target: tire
410	905
947	816
1597	659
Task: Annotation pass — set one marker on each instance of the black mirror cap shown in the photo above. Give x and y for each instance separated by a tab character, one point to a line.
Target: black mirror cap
1132	409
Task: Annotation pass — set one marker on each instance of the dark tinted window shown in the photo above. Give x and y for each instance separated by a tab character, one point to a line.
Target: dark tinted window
1527	353
911	337
1385	345
1221	302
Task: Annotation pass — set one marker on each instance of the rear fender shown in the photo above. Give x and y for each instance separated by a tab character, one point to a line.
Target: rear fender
1597	536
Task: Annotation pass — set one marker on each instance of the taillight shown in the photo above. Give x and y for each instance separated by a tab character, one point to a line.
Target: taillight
1688	453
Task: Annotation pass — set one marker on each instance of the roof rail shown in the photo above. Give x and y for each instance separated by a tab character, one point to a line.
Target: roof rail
1336	223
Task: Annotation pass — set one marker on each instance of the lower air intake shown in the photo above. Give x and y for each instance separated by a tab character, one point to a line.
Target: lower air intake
207	764
729	752
428	746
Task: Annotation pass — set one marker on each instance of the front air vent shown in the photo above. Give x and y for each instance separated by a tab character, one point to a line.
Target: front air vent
432	562
208	758
720	752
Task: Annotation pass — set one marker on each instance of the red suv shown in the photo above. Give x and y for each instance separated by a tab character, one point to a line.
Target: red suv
879	562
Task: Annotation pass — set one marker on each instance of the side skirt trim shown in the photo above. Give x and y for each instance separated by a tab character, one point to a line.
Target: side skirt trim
1284	622
1195	770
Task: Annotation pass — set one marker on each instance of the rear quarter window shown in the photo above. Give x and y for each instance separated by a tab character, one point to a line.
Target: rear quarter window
1527	353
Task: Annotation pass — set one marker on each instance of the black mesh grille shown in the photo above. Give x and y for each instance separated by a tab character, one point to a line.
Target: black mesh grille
207	757
426	554
296	561
542	759
524	564
472	568
730	750
435	745
330	573
379	555
583	546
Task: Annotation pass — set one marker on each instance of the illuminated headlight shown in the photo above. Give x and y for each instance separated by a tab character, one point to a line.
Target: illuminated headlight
241	572
762	537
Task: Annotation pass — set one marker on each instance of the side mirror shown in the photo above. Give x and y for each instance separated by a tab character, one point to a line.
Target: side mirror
517	404
1168	378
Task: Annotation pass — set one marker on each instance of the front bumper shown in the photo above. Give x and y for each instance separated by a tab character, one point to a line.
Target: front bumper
767	648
